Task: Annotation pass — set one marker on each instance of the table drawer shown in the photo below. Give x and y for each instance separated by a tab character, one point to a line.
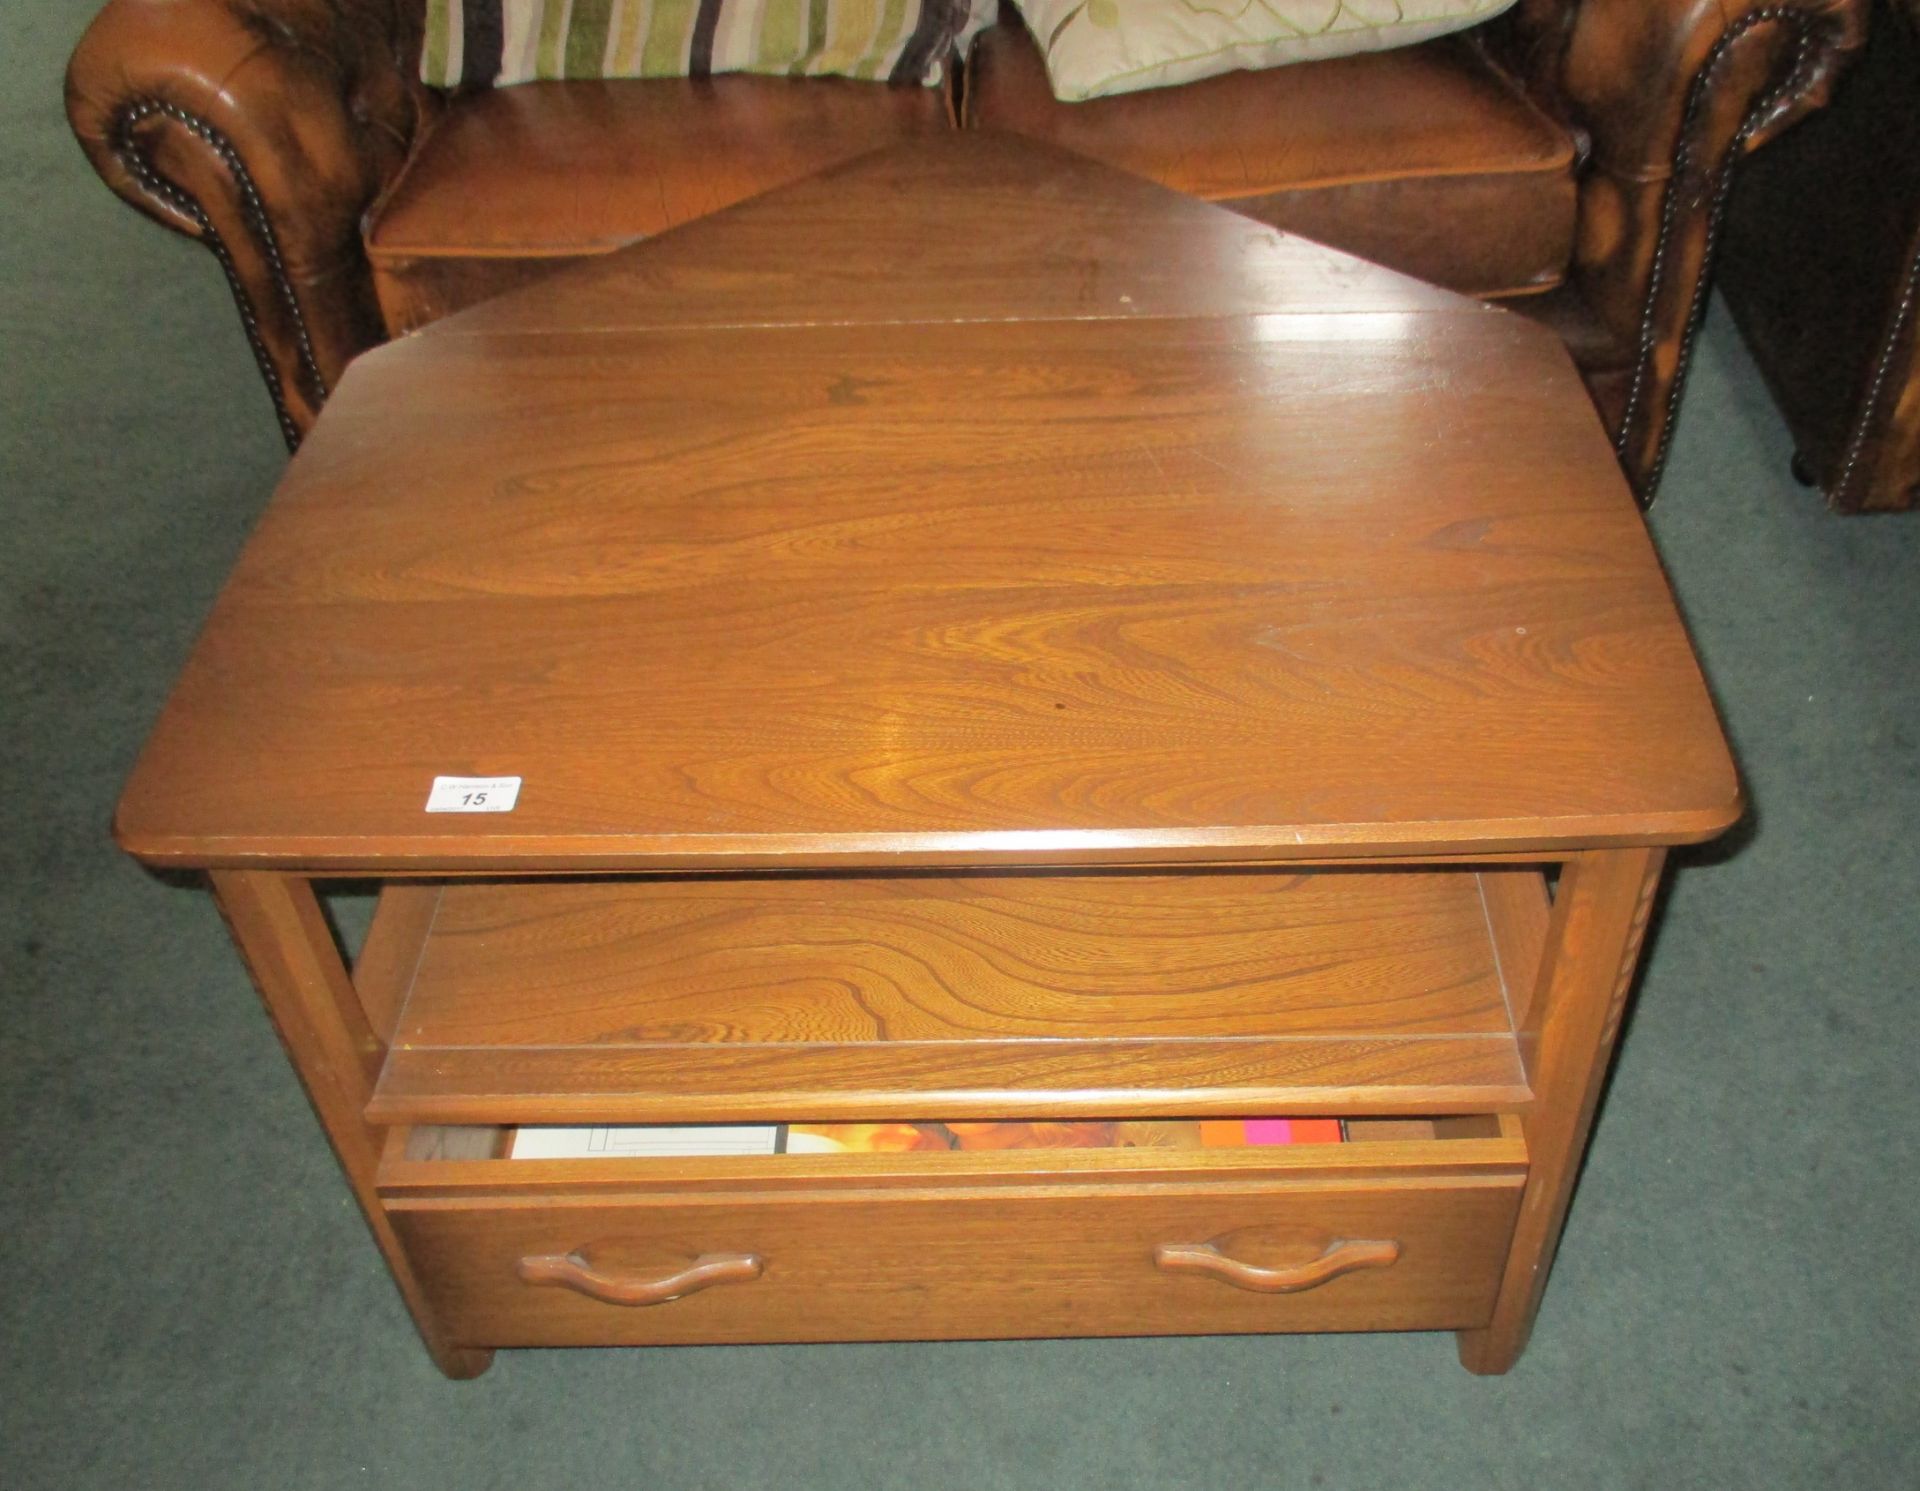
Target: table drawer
1396	1253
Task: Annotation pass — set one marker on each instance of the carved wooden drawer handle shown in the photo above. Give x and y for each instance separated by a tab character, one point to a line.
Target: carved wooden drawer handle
571	1271
1341	1257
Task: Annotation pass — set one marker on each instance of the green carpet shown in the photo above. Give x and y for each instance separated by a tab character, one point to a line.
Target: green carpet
188	1299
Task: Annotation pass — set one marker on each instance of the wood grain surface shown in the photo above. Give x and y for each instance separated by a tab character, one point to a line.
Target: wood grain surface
763	998
946	1263
282	935
1229	587
973	227
1599	922
384	967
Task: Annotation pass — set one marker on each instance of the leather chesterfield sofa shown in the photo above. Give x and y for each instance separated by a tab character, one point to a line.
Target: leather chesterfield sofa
1571	158
1822	274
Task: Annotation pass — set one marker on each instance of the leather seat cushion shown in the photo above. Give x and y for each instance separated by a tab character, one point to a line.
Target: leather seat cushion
513	183
1425	159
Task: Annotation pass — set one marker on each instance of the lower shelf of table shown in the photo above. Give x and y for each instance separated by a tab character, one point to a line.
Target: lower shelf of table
1059	995
1397	1234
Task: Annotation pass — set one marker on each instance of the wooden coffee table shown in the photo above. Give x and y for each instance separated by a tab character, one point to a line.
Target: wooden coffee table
977	635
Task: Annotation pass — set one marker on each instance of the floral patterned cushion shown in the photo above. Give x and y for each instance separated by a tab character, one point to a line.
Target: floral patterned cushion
1096	47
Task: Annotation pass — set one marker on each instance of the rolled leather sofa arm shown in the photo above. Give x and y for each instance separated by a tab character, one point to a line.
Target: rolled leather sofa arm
263	128
1672	94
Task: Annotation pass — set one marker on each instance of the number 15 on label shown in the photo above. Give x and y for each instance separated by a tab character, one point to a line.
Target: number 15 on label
473	794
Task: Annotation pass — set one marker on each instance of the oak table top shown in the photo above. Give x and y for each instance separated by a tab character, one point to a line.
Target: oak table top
972	504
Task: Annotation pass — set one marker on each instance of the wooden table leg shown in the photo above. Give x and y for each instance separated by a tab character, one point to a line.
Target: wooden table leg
1566	1038
289	950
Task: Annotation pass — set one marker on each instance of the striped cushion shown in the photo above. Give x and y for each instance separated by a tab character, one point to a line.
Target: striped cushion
477	42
